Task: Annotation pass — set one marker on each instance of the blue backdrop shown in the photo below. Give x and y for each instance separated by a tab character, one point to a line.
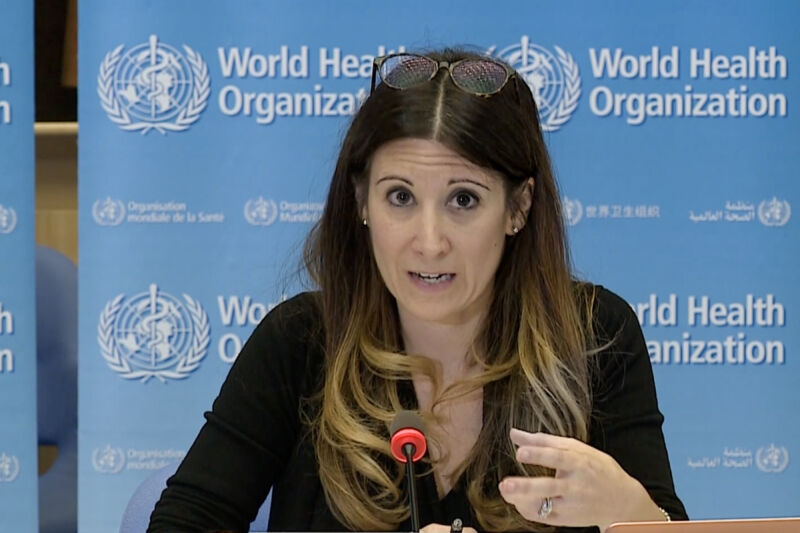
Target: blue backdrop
18	467
209	132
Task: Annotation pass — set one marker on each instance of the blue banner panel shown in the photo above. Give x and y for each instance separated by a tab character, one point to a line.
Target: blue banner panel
18	457
209	133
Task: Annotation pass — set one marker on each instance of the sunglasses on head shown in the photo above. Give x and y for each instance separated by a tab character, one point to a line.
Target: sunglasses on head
478	76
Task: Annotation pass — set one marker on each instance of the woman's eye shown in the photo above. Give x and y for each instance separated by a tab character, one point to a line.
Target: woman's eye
400	197
465	200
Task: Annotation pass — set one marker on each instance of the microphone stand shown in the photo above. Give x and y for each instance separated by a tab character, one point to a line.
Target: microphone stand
408	451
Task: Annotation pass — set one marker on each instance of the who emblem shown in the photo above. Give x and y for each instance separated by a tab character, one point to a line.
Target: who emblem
573	211
153	335
260	212
8	219
774	212
153	87
554	80
9	468
772	459
108	460
108	212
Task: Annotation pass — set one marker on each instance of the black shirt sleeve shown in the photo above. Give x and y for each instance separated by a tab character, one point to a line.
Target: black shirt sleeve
250	432
626	422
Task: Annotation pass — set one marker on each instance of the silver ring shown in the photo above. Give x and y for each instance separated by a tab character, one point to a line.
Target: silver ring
546	508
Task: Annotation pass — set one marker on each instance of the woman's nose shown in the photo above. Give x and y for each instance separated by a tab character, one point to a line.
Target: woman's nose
430	237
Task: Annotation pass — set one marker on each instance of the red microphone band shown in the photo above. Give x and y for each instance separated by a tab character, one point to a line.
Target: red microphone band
408	436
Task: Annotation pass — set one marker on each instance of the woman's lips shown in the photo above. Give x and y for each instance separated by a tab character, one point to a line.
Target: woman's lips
432	280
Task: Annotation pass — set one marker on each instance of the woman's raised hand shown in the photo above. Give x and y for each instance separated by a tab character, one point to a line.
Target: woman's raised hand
589	487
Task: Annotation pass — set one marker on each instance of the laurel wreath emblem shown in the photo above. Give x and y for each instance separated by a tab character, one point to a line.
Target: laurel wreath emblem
8	220
119	115
186	365
767	214
115	467
10	469
572	92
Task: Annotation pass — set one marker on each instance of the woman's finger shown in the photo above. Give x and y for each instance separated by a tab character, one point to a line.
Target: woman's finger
435	528
440	528
555	458
524	438
529	508
531	487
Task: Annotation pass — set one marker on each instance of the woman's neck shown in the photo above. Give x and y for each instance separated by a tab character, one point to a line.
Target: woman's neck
447	344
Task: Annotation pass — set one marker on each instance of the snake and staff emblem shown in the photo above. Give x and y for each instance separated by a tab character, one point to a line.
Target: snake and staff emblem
153	335
153	86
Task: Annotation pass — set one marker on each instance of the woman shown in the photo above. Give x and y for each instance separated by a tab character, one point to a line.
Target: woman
444	288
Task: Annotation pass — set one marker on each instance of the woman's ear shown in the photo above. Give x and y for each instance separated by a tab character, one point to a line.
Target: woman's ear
522	206
361	202
526	198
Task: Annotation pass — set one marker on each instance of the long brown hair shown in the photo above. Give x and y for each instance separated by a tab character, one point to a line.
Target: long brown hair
533	343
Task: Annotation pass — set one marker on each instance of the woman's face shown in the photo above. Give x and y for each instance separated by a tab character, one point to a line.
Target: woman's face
438	225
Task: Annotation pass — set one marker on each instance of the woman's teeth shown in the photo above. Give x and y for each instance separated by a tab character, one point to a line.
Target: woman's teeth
432	278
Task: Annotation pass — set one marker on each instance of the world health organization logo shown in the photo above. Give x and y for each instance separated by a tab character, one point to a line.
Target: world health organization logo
772	458
554	80
573	210
260	212
153	87
8	220
108	460
153	335
9	468
108	212
774	212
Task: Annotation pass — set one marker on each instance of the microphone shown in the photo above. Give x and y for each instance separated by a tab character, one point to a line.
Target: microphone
408	446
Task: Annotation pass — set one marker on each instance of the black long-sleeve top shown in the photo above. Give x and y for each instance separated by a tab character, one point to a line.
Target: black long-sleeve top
254	440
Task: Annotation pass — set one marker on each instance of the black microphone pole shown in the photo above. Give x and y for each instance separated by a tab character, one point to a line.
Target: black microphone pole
408	451
408	445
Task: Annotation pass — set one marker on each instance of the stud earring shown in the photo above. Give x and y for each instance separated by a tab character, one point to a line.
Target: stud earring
515	230
364	221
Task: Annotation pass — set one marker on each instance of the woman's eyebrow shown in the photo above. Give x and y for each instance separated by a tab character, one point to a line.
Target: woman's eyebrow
390	177
468	180
449	183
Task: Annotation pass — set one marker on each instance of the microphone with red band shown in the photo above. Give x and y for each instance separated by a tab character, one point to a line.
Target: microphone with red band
407	429
408	446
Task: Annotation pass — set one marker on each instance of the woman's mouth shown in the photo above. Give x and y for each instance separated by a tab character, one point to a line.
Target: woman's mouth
432	278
